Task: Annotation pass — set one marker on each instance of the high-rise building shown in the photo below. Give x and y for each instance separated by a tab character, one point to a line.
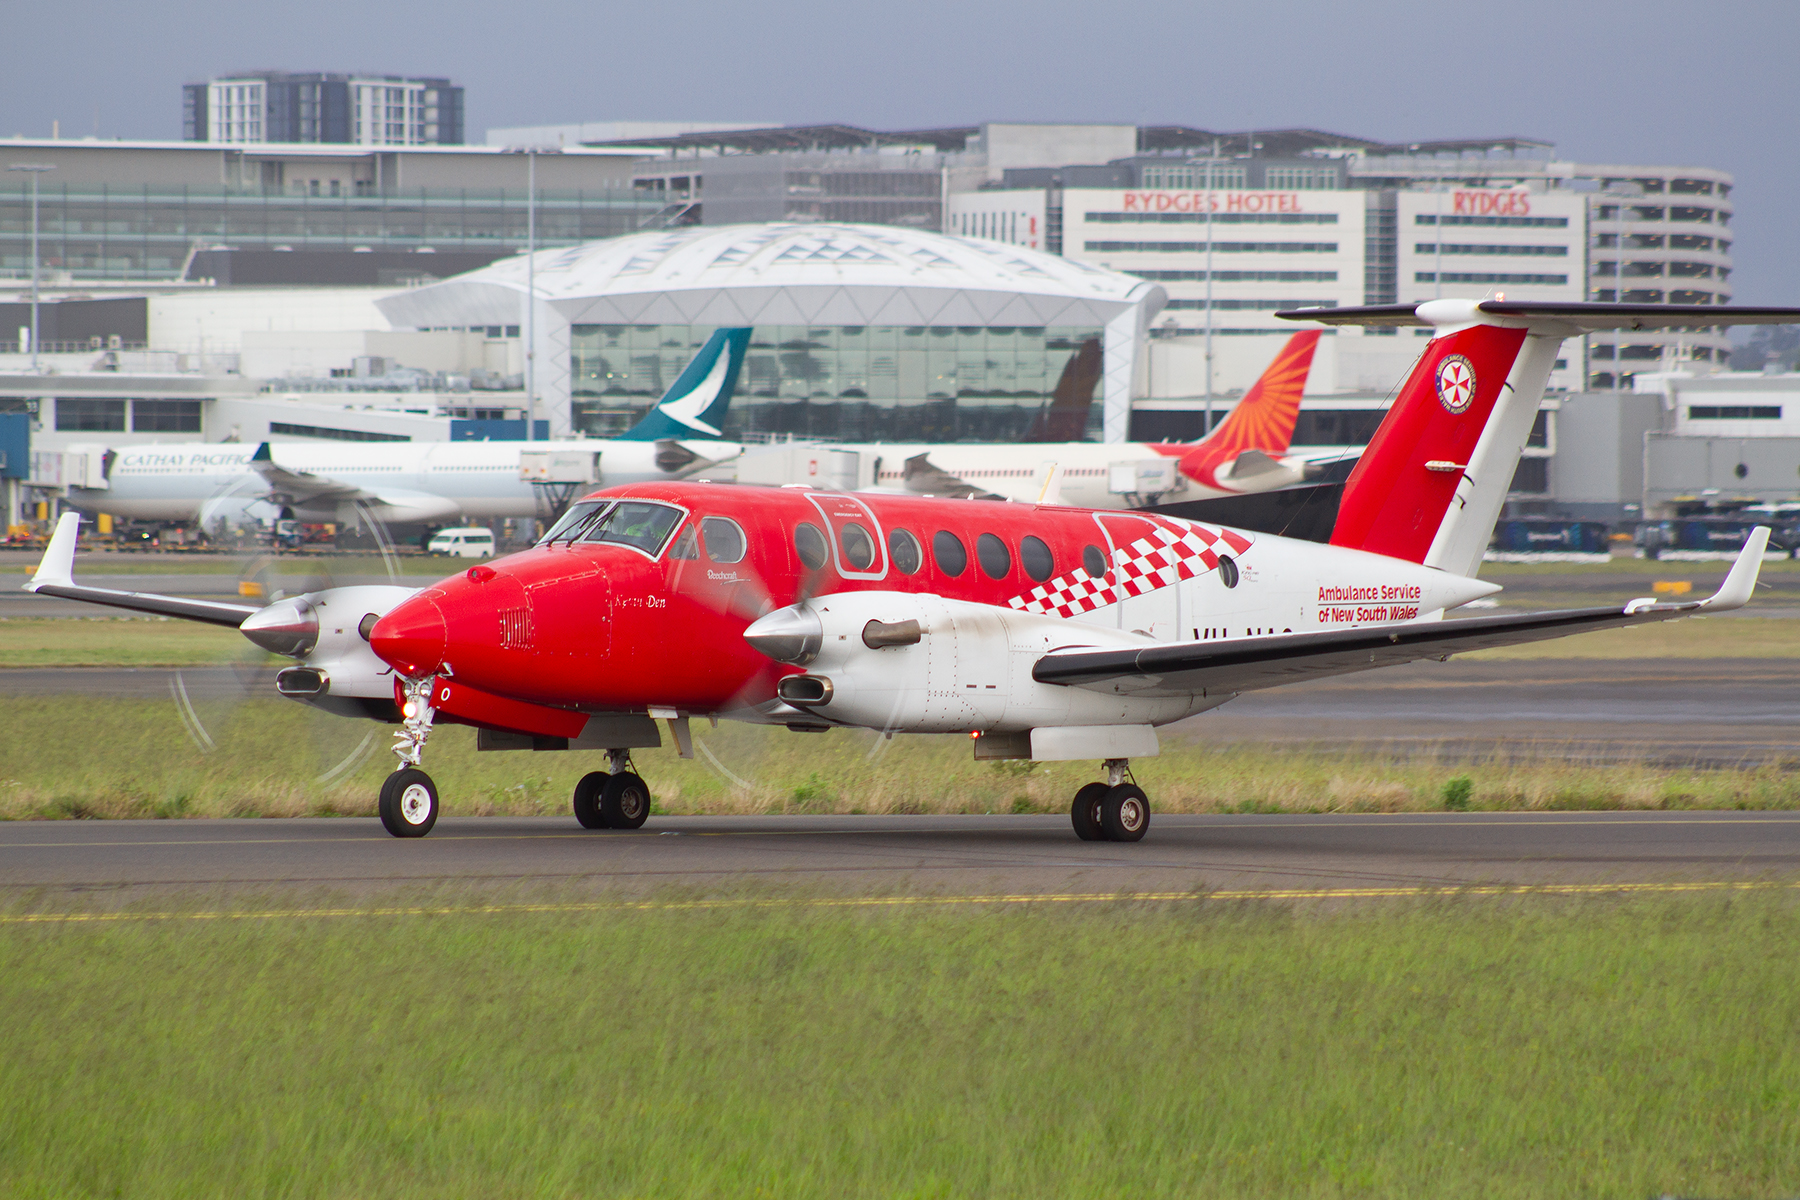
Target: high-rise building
358	110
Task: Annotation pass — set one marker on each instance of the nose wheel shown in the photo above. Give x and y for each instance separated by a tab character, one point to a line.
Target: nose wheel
1114	811
409	803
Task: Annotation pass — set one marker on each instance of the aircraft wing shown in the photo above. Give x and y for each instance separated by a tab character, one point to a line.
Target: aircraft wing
56	577
925	478
299	485
1250	664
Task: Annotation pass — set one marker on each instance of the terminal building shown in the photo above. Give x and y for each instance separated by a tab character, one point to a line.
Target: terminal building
361	110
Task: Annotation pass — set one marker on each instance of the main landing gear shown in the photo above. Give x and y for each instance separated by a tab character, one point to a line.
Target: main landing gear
616	798
1114	811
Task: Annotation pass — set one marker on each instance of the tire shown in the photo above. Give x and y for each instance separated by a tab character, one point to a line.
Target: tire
1125	813
587	800
1085	812
409	803
624	801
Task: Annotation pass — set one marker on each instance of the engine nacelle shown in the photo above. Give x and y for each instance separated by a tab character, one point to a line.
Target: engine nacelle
327	633
925	664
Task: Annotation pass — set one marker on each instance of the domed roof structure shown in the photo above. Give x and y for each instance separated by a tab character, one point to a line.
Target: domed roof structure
793	274
787	274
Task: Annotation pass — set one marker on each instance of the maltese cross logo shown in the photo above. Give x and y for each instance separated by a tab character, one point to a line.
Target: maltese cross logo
1456	383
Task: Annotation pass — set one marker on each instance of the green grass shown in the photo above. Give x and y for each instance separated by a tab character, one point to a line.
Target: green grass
83	756
1457	1048
121	642
296	565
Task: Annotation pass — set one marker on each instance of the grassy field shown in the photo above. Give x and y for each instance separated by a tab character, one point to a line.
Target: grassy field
160	642
78	756
1458	1048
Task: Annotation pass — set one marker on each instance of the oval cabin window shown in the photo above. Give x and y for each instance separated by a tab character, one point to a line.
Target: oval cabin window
1036	558
809	540
951	555
994	557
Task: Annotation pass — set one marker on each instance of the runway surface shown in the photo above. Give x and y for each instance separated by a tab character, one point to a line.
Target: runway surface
124	861
1704	712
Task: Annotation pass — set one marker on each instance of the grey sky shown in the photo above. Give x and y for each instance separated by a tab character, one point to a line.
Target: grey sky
1654	81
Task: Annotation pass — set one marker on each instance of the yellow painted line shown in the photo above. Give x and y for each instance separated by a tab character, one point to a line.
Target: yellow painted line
1364	893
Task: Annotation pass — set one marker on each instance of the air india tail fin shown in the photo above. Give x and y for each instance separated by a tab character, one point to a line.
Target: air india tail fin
1431	483
1065	418
1240	454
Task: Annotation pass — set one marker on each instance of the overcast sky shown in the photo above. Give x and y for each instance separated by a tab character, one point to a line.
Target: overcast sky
1652	81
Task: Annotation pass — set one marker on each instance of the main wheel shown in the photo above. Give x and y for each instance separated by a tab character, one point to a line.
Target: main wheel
1085	812
624	801
1125	813
587	800
409	803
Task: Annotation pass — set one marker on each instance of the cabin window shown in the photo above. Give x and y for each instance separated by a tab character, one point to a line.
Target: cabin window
723	539
639	524
571	524
994	557
687	545
951	555
1036	558
857	547
810	541
1093	562
904	551
1228	571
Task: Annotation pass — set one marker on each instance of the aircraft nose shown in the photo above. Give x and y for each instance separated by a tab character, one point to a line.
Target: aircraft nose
411	637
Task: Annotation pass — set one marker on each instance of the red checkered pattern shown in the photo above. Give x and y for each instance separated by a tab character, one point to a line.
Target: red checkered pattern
1174	551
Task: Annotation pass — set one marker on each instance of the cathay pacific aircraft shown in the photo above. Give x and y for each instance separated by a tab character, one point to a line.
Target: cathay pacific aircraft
416	482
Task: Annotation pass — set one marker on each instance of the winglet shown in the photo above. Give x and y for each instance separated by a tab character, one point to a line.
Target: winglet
1740	581
262	454
58	563
1051	492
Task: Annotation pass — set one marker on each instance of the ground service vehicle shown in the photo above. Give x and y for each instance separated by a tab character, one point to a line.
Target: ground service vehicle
475	541
1044	632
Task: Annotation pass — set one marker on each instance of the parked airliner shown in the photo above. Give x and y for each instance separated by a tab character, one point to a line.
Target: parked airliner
415	482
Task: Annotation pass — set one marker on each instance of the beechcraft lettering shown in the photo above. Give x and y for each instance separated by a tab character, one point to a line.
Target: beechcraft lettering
1044	632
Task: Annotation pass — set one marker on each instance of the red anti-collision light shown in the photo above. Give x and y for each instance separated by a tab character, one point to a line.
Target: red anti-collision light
411	637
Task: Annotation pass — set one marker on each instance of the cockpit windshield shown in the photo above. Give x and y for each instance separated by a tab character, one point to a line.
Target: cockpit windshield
573	522
637	523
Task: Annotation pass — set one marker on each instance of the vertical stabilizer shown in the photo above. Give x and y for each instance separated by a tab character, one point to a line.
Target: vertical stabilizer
696	403
1263	420
1416	479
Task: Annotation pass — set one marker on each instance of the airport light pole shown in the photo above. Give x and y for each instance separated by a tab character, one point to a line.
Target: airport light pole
1211	199
530	293
35	170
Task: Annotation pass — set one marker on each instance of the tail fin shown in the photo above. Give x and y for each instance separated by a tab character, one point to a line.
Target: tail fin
1066	417
1263	420
695	405
1430	485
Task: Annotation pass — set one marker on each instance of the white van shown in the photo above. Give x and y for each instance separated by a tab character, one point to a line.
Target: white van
472	542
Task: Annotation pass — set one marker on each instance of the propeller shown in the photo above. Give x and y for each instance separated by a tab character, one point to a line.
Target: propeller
309	618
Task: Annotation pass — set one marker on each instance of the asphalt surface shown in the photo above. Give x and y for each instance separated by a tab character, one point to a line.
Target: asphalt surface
1675	712
993	856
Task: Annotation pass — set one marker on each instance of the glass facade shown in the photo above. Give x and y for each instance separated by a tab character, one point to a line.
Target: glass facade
938	383
114	233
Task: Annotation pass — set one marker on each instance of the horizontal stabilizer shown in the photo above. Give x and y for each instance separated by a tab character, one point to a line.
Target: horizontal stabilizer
1579	316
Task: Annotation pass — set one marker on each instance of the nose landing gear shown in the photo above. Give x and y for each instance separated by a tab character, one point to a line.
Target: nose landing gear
617	798
409	799
1114	811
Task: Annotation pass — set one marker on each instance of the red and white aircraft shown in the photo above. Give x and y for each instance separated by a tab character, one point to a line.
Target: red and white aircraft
1044	632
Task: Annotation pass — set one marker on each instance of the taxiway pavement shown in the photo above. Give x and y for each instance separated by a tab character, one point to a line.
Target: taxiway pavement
126	861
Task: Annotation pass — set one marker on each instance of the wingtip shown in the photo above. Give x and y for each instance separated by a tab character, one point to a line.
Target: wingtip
57	567
1740	581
